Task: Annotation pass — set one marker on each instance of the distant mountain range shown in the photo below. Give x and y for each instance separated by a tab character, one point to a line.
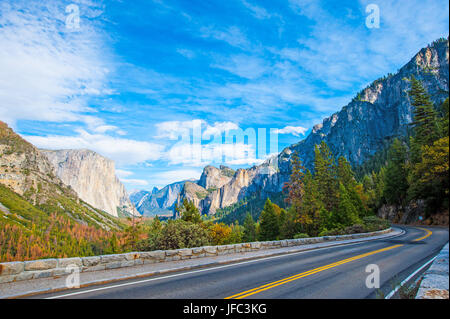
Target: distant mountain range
379	113
158	202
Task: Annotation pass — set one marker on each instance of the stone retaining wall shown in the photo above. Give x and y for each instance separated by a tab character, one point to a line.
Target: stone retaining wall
434	284
26	270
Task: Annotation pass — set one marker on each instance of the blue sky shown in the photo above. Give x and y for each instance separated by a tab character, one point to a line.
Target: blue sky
138	74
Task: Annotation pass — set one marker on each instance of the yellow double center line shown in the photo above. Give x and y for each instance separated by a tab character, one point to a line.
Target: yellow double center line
306	273
316	270
429	232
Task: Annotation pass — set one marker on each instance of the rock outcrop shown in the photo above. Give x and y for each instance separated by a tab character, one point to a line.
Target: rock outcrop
93	178
22	166
379	113
157	202
224	187
213	177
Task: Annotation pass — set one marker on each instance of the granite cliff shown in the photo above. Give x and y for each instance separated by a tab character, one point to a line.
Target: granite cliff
93	178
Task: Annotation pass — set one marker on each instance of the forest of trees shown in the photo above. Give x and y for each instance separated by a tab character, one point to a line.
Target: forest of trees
415	168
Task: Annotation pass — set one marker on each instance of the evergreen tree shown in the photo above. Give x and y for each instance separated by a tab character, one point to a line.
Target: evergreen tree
369	189
425	124
269	227
346	213
325	175
430	177
249	229
345	174
282	217
378	180
237	233
395	181
290	226
308	215
443	122
156	224
295	184
189	212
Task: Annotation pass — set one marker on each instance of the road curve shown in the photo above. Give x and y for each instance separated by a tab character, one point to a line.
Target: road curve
332	273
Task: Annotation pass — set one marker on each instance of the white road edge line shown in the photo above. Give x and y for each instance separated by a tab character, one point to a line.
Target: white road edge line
392	293
209	269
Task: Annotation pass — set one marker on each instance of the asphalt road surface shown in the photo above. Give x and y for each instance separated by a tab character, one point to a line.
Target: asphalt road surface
335	272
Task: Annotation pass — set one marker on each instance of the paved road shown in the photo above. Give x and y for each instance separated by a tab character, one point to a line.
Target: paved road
335	272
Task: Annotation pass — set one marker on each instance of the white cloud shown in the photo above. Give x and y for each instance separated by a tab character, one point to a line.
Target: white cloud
168	177
199	143
257	12
134	182
47	73
199	155
294	130
249	67
175	129
122	151
124	178
353	54
231	35
219	128
123	174
186	53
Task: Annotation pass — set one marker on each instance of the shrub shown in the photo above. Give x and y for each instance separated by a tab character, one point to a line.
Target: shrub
220	234
181	234
373	223
301	235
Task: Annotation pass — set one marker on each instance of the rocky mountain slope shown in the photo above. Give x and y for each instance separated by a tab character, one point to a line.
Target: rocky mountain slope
93	178
374	117
26	172
157	202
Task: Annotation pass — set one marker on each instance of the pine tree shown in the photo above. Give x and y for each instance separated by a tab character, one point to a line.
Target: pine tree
395	181
346	213
345	174
430	177
424	122
291	226
308	215
249	229
156	225
443	122
325	175
369	189
189	212
269	227
378	180
295	185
